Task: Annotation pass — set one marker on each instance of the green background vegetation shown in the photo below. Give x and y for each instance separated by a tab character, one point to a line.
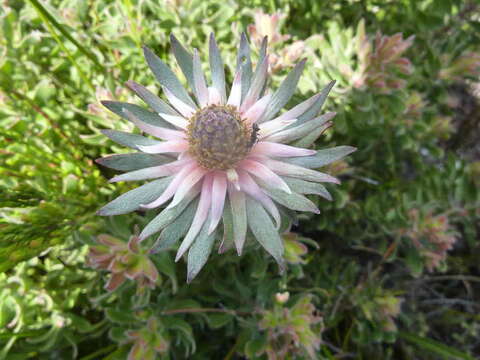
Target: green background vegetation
368	278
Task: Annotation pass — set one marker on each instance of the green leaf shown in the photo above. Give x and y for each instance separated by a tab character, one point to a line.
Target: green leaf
177	229
157	104
313	111
217	68
120	316
133	161
166	217
436	347
127	139
244	61
200	251
286	90
306	187
316	126
292	201
322	157
184	59
131	200
166	77
142	114
217	321
264	231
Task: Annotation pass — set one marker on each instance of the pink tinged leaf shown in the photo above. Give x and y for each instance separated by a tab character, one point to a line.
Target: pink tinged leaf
257	110
172	187
298	172
199	81
166	147
114	282
261	171
271	127
248	185
219	190
199	218
178	104
237	204
232	177
266	148
214	97
257	84
298	110
236	92
152	172
178	121
162	133
193	177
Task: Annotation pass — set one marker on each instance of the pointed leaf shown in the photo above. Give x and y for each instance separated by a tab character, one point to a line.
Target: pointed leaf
245	63
167	216
131	200
177	229
217	69
322	157
127	139
184	59
166	77
313	111
306	187
139	112
286	90
133	161
200	251
264	231
157	104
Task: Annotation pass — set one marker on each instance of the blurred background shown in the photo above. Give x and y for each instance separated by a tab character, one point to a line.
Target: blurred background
388	270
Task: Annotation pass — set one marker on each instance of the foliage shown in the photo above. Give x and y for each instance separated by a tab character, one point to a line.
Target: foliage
389	269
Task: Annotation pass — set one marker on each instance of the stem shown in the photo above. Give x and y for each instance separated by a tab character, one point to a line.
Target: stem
45	15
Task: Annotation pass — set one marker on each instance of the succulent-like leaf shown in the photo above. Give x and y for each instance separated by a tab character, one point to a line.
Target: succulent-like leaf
200	251
157	104
264	231
177	229
133	161
238	207
306	187
122	109
245	63
313	111
128	139
298	132
184	59
167	216
322	157
131	200
293	201
217	69
166	77
283	94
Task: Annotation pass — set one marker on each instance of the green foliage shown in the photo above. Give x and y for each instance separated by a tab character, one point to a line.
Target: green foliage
389	269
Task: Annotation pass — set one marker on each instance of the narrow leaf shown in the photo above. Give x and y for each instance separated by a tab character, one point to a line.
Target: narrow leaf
322	157
200	251
139	112
127	139
217	69
133	161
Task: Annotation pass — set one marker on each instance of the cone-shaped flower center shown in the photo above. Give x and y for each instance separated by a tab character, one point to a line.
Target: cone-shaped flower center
219	138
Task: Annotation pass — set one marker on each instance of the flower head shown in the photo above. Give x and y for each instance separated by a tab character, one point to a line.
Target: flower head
221	159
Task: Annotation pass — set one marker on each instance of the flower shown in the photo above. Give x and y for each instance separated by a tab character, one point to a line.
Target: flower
124	261
222	159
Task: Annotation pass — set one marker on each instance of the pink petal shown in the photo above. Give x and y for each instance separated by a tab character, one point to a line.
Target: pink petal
200	216
261	171
178	104
162	133
165	147
153	172
267	148
188	182
199	81
251	188
214	97
271	127
236	92
178	121
257	110
299	109
172	187
219	190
